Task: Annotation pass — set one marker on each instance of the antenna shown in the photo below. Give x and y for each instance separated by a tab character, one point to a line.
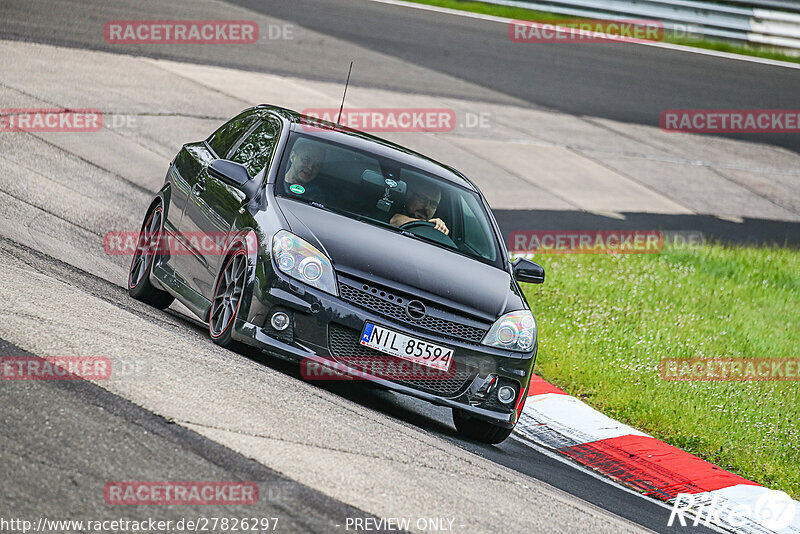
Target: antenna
345	93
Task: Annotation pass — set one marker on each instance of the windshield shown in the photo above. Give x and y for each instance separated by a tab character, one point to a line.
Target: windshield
388	194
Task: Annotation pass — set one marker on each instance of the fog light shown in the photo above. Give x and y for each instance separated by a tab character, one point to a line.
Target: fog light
279	321
506	394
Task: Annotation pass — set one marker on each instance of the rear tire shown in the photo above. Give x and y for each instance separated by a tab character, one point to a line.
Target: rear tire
139	285
478	429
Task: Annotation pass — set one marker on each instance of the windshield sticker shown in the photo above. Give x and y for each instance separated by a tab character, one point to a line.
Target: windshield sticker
297	189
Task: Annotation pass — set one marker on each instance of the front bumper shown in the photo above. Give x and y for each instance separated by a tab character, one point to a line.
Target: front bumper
321	323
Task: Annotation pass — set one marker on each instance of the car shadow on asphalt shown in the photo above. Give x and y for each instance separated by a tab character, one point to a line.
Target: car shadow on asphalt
401	407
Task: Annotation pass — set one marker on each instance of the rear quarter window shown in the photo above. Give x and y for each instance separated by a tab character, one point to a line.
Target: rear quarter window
257	148
223	140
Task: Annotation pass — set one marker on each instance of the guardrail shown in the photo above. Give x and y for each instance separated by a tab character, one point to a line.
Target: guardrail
756	21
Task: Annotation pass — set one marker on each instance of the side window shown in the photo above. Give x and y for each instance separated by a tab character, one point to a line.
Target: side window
256	149
223	139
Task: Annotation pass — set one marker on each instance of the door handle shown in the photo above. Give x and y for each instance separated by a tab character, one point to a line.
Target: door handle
200	186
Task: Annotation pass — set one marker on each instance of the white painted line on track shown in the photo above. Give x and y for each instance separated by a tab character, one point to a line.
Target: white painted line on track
656	44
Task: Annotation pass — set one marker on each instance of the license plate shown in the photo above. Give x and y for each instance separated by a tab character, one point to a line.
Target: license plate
406	347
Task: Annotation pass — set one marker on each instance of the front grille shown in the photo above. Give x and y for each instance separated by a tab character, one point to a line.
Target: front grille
345	348
392	305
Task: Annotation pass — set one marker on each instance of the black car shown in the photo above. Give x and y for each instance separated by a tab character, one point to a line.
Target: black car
350	254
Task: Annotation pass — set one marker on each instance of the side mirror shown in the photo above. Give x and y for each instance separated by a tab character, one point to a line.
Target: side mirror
236	175
528	271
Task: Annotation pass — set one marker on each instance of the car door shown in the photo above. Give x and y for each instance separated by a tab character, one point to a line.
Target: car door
194	159
213	205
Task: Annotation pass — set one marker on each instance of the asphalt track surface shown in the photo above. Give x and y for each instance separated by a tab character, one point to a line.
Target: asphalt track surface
93	436
620	81
423	52
118	433
63	440
611	80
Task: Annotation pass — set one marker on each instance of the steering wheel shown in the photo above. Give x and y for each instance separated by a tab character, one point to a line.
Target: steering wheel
418	224
428	230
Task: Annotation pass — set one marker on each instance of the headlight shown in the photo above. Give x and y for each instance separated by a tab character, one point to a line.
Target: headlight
301	261
513	331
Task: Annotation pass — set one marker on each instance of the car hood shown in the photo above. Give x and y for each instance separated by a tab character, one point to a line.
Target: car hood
382	256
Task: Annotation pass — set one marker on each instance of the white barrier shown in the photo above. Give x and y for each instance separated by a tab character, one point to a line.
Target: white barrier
754	22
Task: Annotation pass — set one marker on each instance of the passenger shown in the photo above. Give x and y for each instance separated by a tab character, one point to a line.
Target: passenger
305	161
421	204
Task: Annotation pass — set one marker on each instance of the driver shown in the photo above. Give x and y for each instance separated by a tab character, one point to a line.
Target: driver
305	161
421	205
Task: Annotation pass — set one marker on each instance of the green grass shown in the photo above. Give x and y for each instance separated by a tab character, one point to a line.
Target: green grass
518	13
606	321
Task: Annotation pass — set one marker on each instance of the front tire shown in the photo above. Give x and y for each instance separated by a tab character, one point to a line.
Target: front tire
227	300
139	285
478	429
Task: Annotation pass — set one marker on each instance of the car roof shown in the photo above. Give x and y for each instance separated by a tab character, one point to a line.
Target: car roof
360	140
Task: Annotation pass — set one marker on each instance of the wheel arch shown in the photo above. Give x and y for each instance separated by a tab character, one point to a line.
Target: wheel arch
162	197
244	239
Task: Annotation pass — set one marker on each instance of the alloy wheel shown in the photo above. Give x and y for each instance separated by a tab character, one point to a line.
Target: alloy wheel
146	248
228	294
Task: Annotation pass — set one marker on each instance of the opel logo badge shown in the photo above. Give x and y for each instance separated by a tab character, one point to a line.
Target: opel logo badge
415	309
